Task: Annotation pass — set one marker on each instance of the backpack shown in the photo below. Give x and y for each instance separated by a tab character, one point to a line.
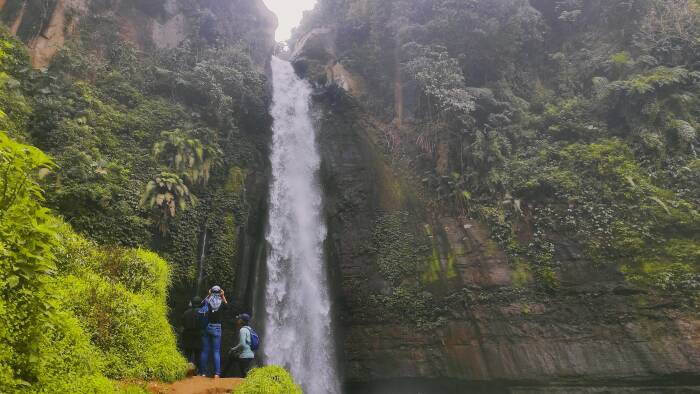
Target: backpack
254	339
203	315
189	320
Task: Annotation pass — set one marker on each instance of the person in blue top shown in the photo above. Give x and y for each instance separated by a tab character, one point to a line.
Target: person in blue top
242	352
211	338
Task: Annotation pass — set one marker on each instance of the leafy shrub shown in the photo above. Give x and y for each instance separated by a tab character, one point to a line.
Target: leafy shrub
27	236
68	362
269	380
72	313
119	296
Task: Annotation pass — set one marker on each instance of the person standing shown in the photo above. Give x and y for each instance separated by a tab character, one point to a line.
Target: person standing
192	332
243	350
212	308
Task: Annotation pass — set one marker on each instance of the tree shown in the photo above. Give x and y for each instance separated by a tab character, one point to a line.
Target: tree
165	196
186	156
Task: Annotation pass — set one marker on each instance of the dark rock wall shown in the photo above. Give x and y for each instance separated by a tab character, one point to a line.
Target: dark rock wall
595	331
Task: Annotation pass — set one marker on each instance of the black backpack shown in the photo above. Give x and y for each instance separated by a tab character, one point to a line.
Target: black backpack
189	320
203	315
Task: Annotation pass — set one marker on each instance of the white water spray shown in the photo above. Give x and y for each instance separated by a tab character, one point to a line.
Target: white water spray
298	333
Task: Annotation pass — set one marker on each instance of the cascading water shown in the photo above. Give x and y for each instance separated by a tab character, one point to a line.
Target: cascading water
200	267
298	329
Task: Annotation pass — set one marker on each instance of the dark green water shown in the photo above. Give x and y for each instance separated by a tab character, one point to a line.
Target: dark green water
446	386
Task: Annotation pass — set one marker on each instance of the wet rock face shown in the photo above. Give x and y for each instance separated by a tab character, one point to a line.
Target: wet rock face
314	58
313	54
164	24
565	342
594	331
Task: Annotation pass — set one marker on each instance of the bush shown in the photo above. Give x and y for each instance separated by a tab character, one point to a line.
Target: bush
68	362
119	295
27	237
73	314
269	380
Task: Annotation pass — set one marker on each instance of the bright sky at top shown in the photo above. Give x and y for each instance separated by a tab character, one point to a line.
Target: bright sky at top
289	13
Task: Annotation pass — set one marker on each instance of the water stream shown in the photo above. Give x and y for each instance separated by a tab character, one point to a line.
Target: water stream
200	266
298	329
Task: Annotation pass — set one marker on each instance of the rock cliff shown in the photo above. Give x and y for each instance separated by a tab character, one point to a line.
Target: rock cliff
45	25
196	67
597	330
433	296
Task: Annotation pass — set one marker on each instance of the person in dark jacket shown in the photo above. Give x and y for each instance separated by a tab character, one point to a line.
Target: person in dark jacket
215	304
192	332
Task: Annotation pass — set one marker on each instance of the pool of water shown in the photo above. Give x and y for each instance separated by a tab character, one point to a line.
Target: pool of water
448	386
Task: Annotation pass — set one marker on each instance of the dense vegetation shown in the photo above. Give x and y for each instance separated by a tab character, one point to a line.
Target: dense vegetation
73	314
270	380
144	148
153	146
563	125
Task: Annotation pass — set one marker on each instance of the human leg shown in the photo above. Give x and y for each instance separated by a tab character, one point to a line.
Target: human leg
215	335
246	365
226	371
204	355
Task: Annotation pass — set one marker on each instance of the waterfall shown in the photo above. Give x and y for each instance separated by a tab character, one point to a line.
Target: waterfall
200	267
298	329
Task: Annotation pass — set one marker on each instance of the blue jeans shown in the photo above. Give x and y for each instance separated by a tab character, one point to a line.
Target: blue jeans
211	343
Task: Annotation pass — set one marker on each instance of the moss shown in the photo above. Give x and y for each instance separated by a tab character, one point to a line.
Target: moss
522	275
451	271
235	183
119	298
391	192
400	253
621	58
411	304
491	248
271	379
434	269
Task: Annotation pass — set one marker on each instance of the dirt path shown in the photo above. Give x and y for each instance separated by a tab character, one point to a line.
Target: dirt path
196	385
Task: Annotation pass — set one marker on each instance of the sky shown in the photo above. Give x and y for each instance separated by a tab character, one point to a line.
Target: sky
289	13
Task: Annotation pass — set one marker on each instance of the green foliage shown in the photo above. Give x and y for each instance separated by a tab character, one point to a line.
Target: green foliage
13	67
118	296
411	304
400	254
441	80
270	380
72	313
166	195
102	108
649	82
571	125
27	237
186	156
